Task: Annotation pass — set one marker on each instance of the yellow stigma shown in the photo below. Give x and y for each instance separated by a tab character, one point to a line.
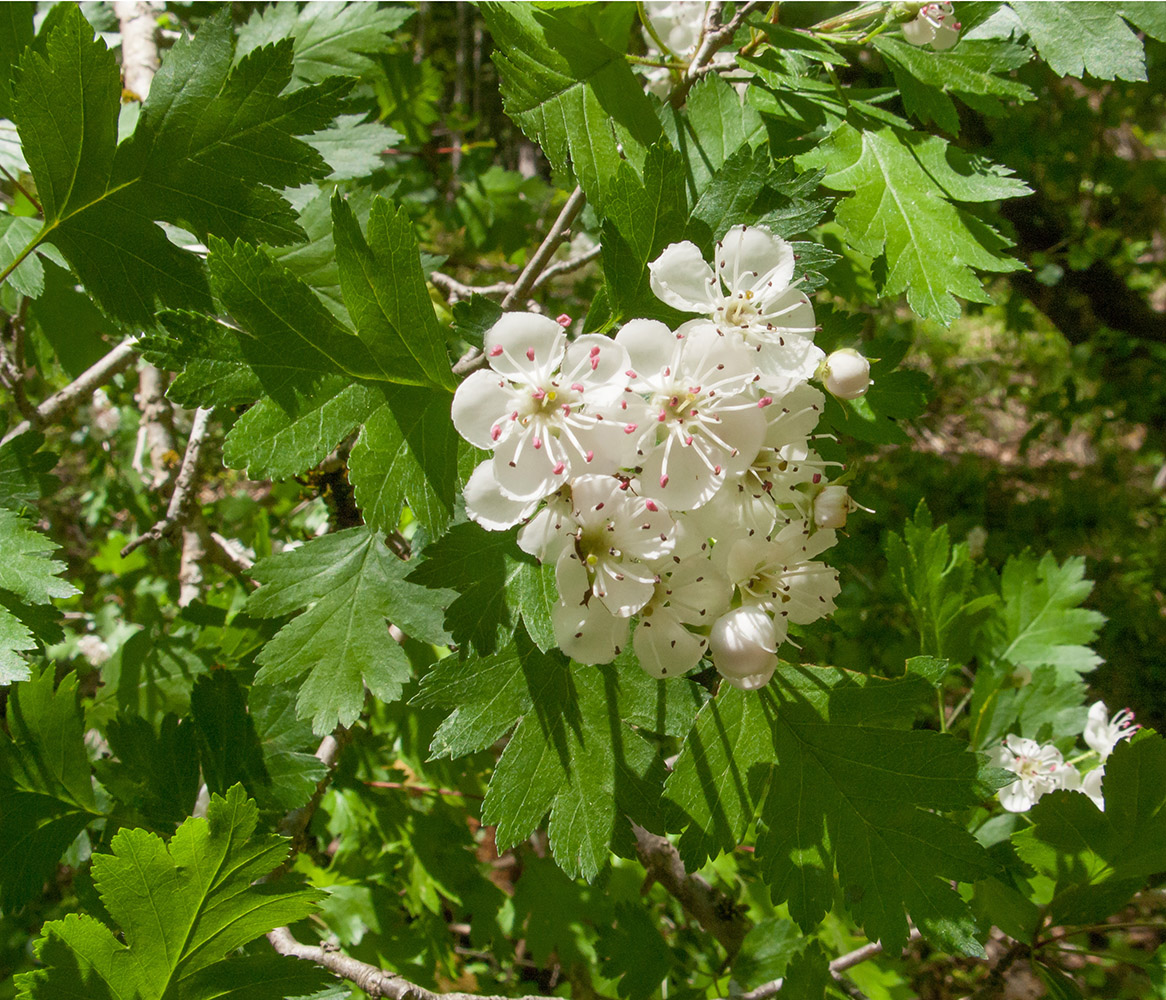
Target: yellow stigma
592	560
748	294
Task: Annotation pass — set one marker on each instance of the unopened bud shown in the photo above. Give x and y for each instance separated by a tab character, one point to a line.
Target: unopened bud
831	507
744	643
846	374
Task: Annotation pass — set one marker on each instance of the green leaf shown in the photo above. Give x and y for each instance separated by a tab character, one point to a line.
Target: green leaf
384	290
574	757
292	772
632	951
766	952
181	909
211	150
16	232
25	470
936	579
925	77
643	217
1039	620
46	793
897	208
270	443
228	746
407	453
352	147
570	92
328	39
1080	38
488	693
867	799
808	975
495	583
206	353
16	33
1096	860
155	774
28	578
150	675
350	584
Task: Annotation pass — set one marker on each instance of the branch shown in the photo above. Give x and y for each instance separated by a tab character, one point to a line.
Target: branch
567	266
374	981
328	753
837	967
455	291
716	912
530	274
93	378
714	37
179	500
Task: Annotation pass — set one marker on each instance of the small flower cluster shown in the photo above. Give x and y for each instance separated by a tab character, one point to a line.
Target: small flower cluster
669	474
1041	769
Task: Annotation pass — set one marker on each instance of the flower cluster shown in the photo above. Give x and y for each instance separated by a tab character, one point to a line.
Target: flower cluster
1041	769
669	475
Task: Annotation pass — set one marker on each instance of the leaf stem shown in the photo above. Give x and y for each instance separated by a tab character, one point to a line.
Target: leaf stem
22	189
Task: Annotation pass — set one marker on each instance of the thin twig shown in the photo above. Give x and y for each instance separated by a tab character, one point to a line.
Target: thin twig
229	554
709	907
374	981
296	822
183	485
838	966
566	266
421	789
83	386
714	37
456	291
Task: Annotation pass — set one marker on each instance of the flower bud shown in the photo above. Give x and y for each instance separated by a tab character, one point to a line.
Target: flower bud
744	643
831	507
846	374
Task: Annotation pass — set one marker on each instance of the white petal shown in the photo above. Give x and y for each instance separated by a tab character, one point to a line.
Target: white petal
525	346
478	404
919	32
945	37
700	592
1015	797
651	346
811	589
681	277
1091	786
548	532
664	647
744	642
525	472
486	504
752	682
754	259
588	634
599	364
624	588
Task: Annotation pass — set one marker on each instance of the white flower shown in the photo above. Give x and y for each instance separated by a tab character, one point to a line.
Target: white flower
543	422
832	506
694	593
701	421
94	649
846	374
935	25
1039	770
1091	786
780	576
744	643
750	293
1103	733
588	632
619	534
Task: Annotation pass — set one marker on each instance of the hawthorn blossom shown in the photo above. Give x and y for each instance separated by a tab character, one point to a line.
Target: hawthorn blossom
1039	770
693	594
935	25
697	418
530	411
1103	733
744	644
781	576
751	294
846	374
618	537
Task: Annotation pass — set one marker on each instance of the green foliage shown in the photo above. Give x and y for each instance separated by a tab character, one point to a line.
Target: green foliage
182	908
210	151
46	795
28	582
935	578
350	584
1091	38
571	92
